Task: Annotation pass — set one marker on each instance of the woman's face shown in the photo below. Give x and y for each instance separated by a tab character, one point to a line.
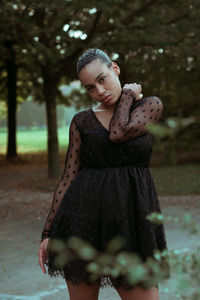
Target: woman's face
101	82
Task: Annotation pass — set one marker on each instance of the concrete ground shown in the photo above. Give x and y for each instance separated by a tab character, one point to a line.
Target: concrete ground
20	230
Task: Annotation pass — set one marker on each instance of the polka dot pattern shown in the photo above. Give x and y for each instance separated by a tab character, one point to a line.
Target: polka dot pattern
127	124
99	204
72	166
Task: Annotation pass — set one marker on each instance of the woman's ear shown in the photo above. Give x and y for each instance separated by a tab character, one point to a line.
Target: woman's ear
116	68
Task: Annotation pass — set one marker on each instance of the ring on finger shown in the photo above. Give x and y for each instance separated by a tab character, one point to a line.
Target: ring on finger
140	96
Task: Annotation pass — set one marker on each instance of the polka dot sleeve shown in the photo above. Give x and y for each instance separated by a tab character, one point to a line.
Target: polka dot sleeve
127	124
72	167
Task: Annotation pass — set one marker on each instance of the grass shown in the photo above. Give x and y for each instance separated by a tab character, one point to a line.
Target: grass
33	140
169	180
177	180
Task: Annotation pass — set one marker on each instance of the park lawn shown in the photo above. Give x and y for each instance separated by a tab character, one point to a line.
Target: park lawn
169	180
177	179
33	140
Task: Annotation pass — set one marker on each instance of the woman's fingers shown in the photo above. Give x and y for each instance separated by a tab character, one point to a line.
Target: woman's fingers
135	87
43	258
41	255
140	88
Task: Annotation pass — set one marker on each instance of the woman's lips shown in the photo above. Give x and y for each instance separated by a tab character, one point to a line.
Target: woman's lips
106	99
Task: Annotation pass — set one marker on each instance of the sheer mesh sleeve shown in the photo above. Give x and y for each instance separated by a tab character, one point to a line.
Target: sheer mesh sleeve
72	167
126	124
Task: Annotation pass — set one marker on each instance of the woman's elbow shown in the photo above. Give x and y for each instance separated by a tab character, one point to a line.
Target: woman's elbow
158	102
115	137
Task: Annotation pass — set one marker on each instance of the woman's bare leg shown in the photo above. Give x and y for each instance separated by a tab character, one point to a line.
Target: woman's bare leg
138	293
83	291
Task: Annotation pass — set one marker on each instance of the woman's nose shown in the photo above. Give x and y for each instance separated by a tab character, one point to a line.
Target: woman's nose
100	89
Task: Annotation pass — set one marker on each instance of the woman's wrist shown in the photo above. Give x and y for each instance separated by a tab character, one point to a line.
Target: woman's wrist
45	238
45	234
129	92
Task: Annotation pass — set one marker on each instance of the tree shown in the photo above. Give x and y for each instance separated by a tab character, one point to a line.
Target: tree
56	33
11	62
11	69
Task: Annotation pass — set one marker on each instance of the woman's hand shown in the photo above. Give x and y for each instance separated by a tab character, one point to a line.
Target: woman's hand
136	88
42	254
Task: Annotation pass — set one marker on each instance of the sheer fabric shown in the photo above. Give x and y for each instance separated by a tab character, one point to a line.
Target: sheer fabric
72	166
126	124
107	188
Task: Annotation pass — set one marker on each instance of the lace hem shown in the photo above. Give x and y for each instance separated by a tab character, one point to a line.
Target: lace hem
75	272
104	281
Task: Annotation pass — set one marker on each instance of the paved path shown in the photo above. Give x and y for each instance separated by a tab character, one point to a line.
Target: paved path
20	275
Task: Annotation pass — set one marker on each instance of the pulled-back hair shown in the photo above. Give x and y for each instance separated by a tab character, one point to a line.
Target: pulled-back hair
92	54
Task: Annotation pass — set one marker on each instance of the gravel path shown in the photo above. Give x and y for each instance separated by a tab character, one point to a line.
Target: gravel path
24	203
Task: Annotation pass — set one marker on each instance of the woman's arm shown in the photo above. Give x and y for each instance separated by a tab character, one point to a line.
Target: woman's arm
126	124
72	166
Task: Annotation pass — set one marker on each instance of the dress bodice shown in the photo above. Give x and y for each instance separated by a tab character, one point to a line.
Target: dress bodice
98	151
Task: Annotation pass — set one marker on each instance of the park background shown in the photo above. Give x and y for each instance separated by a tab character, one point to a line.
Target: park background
155	43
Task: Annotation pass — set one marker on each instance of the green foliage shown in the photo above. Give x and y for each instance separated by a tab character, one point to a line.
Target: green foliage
185	221
167	135
154	42
111	263
83	248
115	263
3	110
49	37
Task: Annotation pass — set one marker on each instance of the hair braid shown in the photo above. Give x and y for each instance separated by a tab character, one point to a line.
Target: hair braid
92	54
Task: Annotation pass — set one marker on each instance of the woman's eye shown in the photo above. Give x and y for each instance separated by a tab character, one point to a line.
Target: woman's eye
90	89
102	79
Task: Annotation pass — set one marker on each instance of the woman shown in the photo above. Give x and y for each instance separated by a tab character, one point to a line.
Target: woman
106	189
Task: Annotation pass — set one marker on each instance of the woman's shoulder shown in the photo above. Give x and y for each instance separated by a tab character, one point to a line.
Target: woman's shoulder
81	114
81	117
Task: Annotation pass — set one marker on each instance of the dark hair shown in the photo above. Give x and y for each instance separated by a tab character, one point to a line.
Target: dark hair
91	54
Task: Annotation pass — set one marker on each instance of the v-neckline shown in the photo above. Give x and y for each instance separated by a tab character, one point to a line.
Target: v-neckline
99	120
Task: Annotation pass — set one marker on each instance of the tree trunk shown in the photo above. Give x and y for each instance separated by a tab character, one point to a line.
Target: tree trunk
123	68
49	90
11	102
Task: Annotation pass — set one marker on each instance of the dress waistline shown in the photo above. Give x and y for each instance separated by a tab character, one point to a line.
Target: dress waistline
114	166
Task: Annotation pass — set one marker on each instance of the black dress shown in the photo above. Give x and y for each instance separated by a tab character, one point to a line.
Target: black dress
106	189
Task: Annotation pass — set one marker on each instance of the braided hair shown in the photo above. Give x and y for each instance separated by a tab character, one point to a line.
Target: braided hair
92	54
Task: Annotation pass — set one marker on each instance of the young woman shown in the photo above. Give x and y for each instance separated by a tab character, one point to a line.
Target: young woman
106	189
